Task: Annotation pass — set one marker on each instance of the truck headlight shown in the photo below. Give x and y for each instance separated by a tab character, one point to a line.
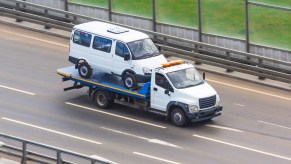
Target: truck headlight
146	70
217	100
193	108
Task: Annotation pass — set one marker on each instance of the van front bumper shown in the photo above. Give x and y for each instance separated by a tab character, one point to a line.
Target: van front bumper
207	114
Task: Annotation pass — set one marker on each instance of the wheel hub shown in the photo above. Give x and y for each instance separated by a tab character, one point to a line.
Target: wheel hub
177	117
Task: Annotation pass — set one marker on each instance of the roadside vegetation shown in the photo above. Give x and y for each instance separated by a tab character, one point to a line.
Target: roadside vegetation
270	27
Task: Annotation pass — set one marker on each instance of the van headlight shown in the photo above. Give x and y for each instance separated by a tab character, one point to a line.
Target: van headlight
217	100
193	108
146	70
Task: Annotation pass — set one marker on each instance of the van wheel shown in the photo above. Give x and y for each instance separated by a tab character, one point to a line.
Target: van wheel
178	117
103	99
129	81
84	69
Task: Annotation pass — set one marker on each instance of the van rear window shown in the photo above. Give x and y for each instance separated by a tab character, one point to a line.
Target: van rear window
82	38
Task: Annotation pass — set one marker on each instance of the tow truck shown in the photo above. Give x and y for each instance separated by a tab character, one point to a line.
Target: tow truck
176	90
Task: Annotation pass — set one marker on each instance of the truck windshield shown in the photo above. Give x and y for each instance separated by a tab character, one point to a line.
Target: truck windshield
142	49
185	78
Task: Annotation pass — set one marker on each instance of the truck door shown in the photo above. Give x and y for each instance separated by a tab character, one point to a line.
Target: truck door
118	63
159	99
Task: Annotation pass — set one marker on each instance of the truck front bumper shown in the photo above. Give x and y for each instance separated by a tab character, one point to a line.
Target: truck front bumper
207	114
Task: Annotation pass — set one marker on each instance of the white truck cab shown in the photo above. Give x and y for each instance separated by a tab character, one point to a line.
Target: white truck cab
178	90
114	50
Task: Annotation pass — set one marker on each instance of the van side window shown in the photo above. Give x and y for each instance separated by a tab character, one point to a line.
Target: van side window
82	38
161	81
121	49
102	44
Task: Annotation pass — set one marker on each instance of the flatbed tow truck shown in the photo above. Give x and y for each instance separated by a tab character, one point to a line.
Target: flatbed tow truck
176	91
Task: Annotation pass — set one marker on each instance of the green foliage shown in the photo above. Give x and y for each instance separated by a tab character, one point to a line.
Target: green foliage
222	17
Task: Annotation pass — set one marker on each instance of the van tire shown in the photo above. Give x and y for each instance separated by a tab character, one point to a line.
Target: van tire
129	81
84	69
178	117
103	99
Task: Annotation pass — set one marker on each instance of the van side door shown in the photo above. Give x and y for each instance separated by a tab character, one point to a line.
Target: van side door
119	61
101	53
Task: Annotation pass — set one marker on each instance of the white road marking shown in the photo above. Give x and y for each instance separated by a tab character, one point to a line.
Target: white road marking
115	115
224	128
102	159
239	105
50	130
242	147
29	37
144	138
251	90
281	126
17	90
157	158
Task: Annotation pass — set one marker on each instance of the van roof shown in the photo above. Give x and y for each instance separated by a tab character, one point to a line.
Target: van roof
111	31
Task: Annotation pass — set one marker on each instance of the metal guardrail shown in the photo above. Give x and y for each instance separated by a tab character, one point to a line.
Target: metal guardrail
254	65
37	152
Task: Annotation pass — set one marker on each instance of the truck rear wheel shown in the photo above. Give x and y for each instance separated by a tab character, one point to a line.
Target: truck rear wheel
85	70
178	117
103	99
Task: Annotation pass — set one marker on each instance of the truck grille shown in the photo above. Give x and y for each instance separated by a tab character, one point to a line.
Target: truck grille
207	102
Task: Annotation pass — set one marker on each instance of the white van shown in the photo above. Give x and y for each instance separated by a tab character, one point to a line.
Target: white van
114	50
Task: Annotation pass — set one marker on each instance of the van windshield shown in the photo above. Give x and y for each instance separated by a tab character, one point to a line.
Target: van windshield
142	49
185	78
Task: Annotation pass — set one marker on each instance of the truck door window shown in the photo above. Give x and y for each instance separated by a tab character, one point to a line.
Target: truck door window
102	44
161	81
82	38
121	49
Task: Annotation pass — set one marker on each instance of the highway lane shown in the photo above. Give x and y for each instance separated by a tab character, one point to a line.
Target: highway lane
259	112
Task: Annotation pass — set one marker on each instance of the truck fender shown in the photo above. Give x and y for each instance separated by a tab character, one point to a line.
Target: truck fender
172	104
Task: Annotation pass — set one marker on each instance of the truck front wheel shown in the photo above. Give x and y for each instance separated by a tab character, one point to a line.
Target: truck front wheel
103	99
178	117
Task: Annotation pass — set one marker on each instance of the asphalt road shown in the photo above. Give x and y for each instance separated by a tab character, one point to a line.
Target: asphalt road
255	126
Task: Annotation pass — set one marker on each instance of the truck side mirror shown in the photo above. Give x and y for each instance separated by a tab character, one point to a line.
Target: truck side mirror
126	56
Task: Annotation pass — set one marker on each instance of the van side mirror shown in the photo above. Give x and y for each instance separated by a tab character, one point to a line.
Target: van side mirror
126	56
167	92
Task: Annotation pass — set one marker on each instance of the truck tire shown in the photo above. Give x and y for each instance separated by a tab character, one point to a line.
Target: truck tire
178	117
129	81
84	69
103	99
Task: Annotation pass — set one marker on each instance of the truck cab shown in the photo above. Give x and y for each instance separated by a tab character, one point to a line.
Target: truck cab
178	89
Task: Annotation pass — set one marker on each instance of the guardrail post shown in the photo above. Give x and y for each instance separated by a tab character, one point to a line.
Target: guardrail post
59	158
46	26
93	161
74	20
247	26
260	65
24	152
18	8
199	20
154	16
228	58
110	10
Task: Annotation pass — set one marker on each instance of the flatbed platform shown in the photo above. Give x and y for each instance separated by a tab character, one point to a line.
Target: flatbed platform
102	80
